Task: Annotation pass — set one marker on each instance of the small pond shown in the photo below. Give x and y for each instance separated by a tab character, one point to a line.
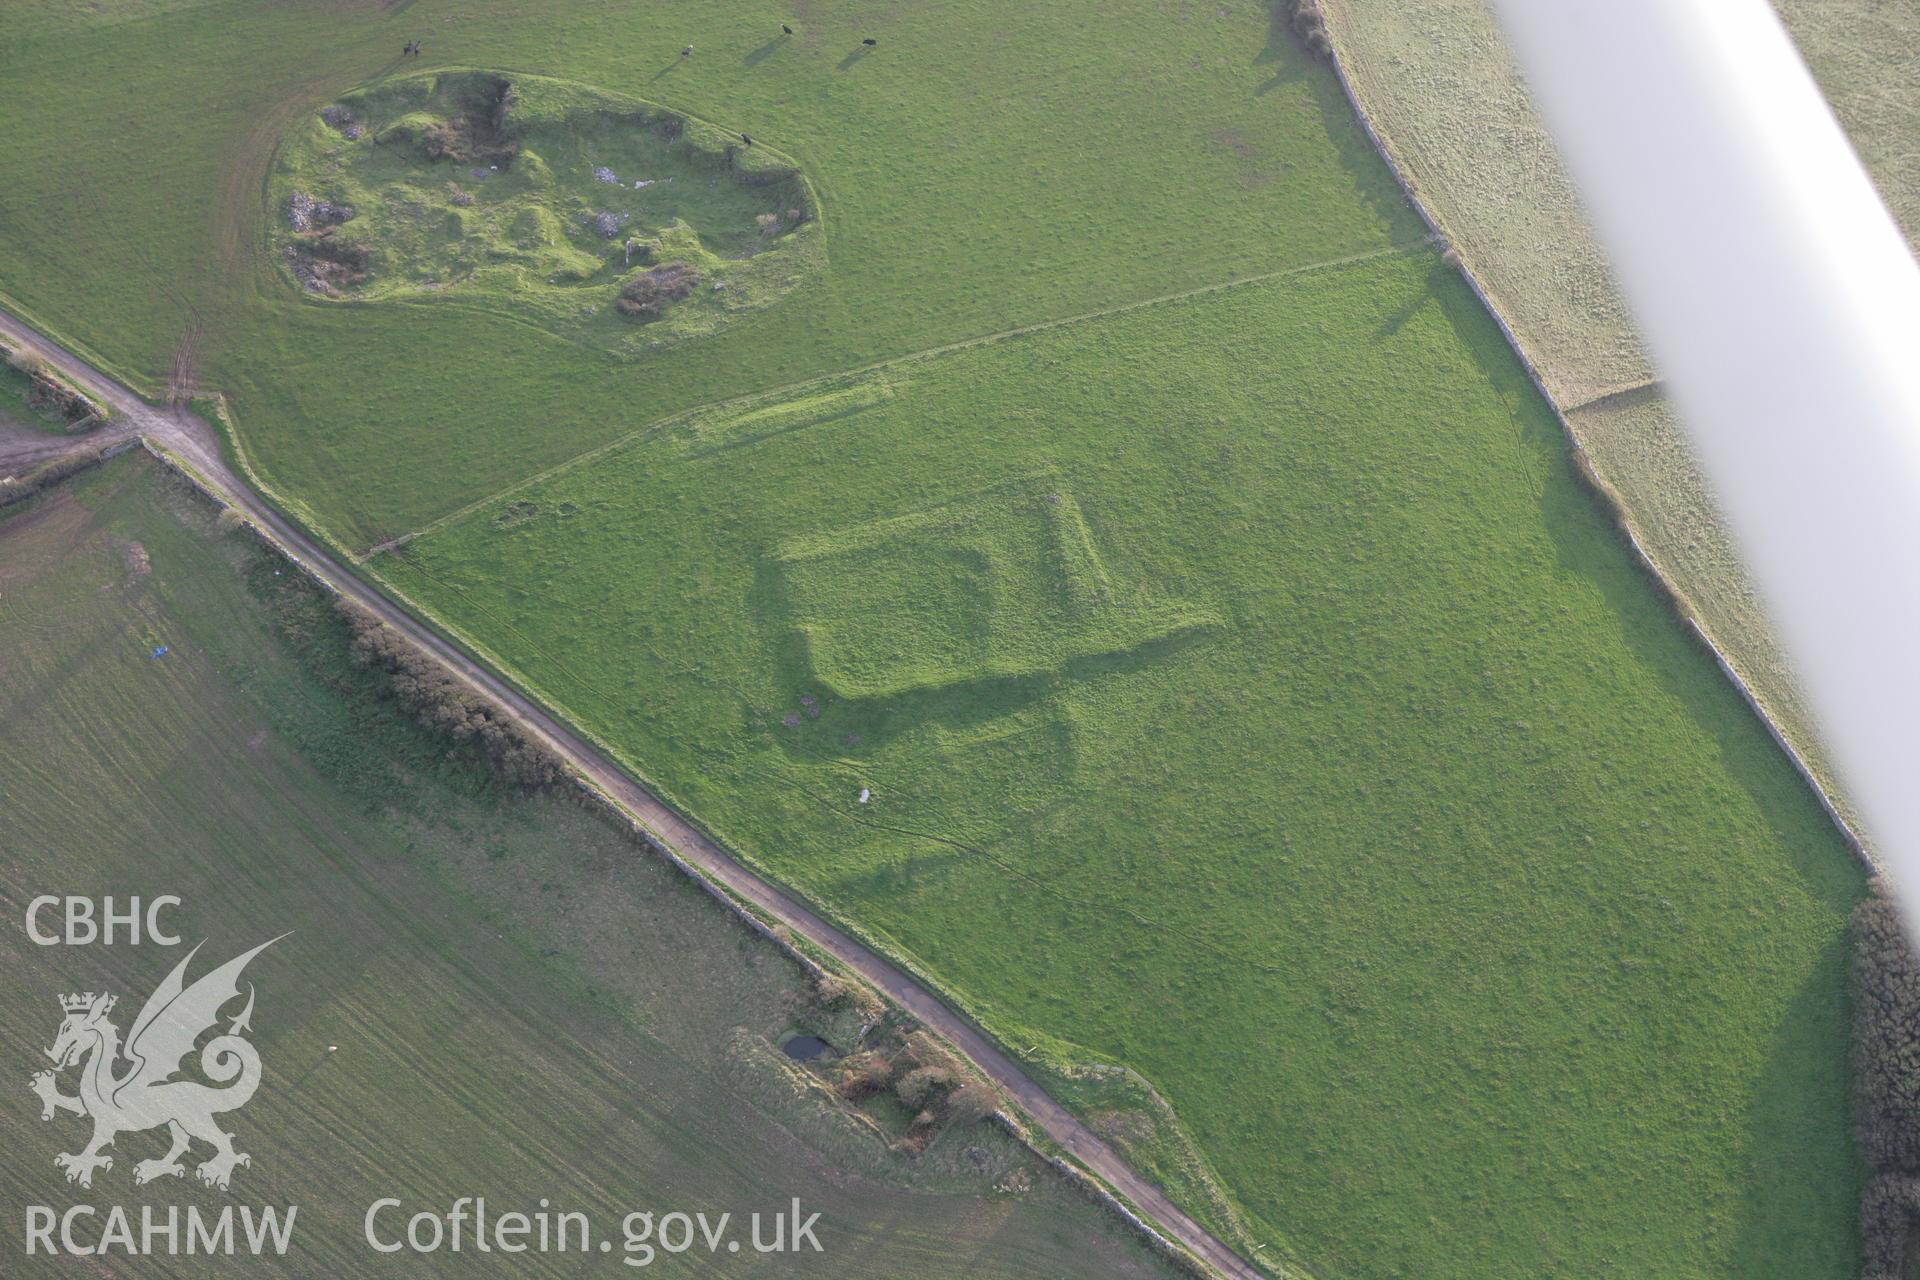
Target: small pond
805	1048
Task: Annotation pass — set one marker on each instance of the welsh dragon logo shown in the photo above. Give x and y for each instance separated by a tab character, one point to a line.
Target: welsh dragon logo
145	1094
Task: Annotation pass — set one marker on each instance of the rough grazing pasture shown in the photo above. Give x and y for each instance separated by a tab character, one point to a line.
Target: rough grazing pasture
1437	81
540	200
1467	921
524	1003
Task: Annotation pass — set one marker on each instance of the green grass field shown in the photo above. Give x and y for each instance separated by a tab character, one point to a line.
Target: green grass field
999	585
524	1002
17	412
1435	880
1246	693
984	167
1438	83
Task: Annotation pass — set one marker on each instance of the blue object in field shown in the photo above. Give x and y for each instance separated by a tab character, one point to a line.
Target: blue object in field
161	652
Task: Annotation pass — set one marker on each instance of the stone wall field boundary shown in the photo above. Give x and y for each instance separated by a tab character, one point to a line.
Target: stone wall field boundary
1584	464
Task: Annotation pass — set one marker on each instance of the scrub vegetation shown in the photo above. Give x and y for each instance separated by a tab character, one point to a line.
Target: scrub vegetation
1886	1064
590	214
32	393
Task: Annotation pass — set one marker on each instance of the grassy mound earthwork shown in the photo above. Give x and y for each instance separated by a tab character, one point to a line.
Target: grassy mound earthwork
603	218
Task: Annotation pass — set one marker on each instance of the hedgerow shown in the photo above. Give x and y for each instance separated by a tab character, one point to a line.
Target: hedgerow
440	701
20	488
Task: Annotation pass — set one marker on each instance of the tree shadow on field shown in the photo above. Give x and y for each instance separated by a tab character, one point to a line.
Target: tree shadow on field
1801	1100
1589	543
1371	177
1394	323
1281	52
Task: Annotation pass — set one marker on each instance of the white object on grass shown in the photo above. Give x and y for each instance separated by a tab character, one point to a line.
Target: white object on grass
1783	309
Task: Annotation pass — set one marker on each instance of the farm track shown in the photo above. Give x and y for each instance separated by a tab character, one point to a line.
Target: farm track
891	362
22	448
192	442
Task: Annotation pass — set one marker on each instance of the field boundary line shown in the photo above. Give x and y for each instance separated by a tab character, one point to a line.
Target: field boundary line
1282	1259
194	447
1583	464
1645	389
736	907
785	389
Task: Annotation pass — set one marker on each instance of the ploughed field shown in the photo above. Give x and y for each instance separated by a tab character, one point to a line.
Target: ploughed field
1259	727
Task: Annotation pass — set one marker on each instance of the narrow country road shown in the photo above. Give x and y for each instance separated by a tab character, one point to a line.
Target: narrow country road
192	441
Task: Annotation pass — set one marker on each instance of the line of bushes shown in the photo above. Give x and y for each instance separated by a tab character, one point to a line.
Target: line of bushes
18	489
1886	1083
1310	24
47	391
440	701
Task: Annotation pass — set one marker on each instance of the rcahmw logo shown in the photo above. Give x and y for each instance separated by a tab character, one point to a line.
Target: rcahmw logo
147	1094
